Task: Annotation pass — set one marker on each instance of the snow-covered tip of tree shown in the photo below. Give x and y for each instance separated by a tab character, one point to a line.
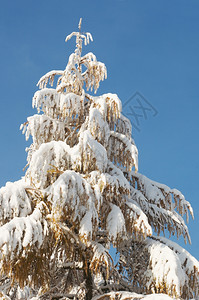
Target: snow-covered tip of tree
81	195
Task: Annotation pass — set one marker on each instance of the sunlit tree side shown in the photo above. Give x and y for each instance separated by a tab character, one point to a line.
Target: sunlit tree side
81	193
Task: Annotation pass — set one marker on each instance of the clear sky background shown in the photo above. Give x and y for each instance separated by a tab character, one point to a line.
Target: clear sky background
150	47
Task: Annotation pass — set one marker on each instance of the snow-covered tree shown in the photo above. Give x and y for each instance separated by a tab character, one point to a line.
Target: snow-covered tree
81	195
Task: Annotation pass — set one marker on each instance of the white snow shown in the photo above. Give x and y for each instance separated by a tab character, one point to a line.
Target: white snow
21	232
115	223
165	267
94	154
188	262
14	201
131	296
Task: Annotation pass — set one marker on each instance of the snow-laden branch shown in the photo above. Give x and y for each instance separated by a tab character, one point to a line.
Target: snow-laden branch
49	156
189	263
14	201
101	258
124	126
159	217
177	268
43	81
22	232
86	36
161	194
44	129
72	200
97	126
160	266
122	151
93	154
56	105
95	72
110	106
121	217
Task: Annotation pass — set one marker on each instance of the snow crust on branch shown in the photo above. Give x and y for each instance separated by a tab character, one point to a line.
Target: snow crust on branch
44	129
160	192
124	152
138	219
115	223
22	232
159	265
97	126
48	156
14	201
43	81
156	201
189	266
110	107
58	105
71	198
165	266
176	267
94	156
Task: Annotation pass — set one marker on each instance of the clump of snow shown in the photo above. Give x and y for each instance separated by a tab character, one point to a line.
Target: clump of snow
110	106
86	226
165	268
122	295
72	200
97	126
115	223
21	232
44	129
139	219
56	105
49	156
189	263
14	201
122	151
94	156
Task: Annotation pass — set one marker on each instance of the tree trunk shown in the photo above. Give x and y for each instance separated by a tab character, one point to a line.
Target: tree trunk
89	282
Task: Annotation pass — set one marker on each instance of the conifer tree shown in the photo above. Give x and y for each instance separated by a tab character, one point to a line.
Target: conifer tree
82	194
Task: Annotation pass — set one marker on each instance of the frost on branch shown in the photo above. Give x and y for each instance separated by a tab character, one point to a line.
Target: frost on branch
81	195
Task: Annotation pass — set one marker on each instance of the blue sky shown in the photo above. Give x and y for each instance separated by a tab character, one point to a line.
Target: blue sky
150	47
